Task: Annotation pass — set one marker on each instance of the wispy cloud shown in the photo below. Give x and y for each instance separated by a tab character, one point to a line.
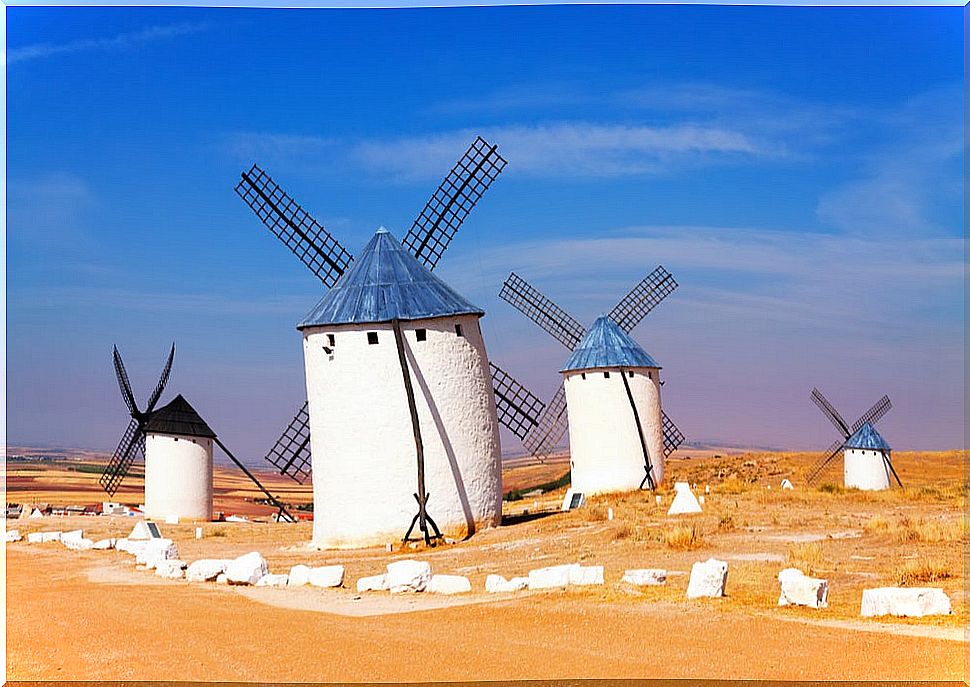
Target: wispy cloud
47	211
117	42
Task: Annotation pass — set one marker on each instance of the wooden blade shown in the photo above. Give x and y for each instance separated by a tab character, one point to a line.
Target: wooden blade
872	416
162	381
831	413
123	382
643	298
673	437
290	454
529	301
545	437
132	445
518	408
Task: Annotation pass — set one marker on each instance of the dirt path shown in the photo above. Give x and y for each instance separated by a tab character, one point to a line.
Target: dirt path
61	625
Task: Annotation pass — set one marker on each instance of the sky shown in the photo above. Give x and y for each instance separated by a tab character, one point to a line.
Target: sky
798	170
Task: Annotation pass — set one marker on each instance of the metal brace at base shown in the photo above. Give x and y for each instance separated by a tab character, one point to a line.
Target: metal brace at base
428	520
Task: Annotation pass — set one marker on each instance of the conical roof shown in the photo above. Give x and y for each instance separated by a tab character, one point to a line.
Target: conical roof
178	417
386	282
868	438
606	345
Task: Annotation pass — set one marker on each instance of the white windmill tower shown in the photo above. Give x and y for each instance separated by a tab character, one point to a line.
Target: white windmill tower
619	435
615	416
176	444
397	375
866	455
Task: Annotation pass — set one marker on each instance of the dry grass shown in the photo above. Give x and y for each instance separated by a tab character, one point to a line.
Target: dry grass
921	571
683	538
807	557
912	531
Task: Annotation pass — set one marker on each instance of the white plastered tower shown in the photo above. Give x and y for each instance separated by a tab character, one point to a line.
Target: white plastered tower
361	434
867	459
178	463
605	371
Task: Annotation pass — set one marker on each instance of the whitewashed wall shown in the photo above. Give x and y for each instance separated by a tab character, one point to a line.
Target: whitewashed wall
865	469
364	464
178	477
605	451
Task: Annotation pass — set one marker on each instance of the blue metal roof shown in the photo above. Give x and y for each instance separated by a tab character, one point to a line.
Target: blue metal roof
386	282
606	345
867	437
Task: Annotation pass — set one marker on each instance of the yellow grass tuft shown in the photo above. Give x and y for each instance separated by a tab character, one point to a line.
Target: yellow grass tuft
921	571
807	557
683	537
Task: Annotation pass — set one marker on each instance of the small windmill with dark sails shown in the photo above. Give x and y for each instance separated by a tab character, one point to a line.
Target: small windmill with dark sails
605	351
433	389
176	446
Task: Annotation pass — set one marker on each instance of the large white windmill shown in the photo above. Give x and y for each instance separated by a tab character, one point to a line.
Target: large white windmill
403	405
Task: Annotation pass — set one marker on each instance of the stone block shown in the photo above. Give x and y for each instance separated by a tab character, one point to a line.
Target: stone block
206	569
299	575
246	569
408	576
326	576
375	583
553	577
707	579
645	577
913	602
797	589
271	580
449	584
170	568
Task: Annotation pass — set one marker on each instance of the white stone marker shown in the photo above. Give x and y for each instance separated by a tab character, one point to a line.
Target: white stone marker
408	576
645	577
496	584
299	575
156	550
270	580
206	569
104	544
797	589
246	569
586	575
449	584
684	501
786	484
222	579
326	576
82	544
707	579
609	513
73	536
374	583
914	602
43	537
659	499
13	536
170	568
553	577
198	533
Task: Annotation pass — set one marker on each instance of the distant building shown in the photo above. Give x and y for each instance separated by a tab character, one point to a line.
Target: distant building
867	459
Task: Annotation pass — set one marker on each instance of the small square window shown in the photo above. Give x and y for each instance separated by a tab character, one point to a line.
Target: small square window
583	375
331	340
421	334
458	330
372	338
630	374
606	375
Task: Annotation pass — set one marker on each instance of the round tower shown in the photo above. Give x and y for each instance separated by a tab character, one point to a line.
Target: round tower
178	463
866	457
362	437
615	420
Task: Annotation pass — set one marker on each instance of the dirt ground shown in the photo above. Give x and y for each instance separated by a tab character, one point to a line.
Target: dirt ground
92	616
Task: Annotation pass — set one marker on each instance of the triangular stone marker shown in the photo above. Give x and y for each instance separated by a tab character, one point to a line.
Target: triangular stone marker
684	502
145	530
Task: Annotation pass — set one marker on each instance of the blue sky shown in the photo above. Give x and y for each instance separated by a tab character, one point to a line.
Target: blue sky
799	170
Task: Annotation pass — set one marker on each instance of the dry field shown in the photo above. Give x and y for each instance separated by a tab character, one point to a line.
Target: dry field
92	616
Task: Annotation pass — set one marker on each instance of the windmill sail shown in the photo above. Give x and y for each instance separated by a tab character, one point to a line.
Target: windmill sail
132	445
880	408
545	437
517	407
543	311
290	454
831	413
673	437
643	298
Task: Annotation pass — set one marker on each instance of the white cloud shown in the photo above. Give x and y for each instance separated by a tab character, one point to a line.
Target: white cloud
122	40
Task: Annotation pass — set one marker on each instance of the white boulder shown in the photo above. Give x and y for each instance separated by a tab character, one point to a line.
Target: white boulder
156	550
553	577
786	484
271	580
684	502
299	575
170	568
72	536
13	536
408	576
583	575
222	579
707	579
797	589
206	569
43	537
104	544
449	584
496	584
82	544
374	583
326	576
246	569
914	602
645	577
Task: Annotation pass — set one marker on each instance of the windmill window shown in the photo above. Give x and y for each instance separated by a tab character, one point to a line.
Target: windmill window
583	374
331	340
372	338
630	374
421	334
458	330
606	375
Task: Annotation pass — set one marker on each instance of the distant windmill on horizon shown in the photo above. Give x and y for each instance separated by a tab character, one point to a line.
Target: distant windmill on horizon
433	388
630	459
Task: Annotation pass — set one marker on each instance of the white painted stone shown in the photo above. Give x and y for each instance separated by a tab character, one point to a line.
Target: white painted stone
786	484
299	575
645	577
131	547
374	583
684	501
460	431
43	537
567	500
13	536
222	579
72	536
170	568
104	544
552	577
584	575
914	602
449	584
156	550
865	469
797	589
271	580
246	569
82	544
198	533
172	519
206	569
707	579
408	576
178	477
605	449
142	531
326	576
496	584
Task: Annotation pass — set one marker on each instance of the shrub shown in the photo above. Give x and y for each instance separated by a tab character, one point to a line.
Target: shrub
831	488
726	522
807	557
920	572
683	537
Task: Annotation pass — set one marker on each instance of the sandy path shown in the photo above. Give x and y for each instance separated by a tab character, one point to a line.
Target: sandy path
61	625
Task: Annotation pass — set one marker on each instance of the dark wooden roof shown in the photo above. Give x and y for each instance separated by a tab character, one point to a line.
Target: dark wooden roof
178	417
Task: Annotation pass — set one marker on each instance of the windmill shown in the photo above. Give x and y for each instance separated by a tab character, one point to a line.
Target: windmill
602	349
435	386
861	469
176	446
